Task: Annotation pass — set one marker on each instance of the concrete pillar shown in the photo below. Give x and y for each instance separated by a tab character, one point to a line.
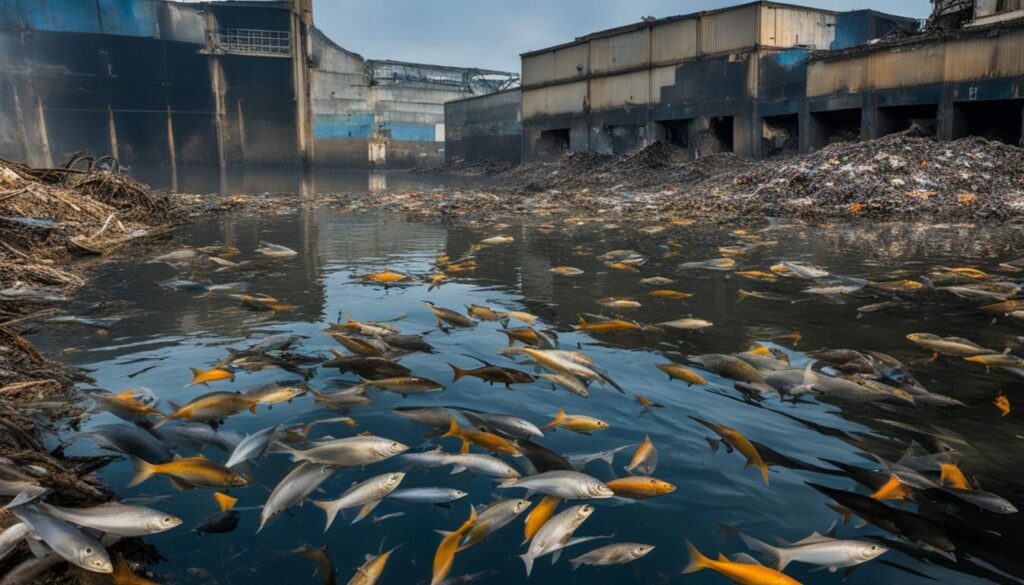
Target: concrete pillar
805	128
743	137
945	116
112	129
172	155
44	137
868	118
301	18
217	84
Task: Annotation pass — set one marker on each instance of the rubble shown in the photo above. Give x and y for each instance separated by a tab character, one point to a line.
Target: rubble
900	176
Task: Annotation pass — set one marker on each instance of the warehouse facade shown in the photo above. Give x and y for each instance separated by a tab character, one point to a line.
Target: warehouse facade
723	80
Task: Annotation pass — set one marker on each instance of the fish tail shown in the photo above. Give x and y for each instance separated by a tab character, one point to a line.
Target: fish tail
252	406
225	501
697	560
143	471
575	563
332	512
453	429
764	471
528	561
558	418
167	417
457	371
728	531
773	555
195	376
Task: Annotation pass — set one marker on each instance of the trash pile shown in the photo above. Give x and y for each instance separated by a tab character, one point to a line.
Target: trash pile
462	168
896	176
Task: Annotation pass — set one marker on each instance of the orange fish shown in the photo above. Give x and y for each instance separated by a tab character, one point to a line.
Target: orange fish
204	377
539	516
639	487
952	476
488	441
609	326
445	555
741	573
1003	404
893	490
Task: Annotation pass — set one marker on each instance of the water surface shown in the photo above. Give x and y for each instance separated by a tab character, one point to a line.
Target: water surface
169	331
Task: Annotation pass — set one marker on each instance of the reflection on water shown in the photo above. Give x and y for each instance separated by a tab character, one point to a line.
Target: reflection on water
258	180
161	333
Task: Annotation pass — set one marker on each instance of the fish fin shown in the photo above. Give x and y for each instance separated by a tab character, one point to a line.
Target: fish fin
728	532
575	563
444	532
458	469
366	509
181	486
457	372
143	471
331	511
508	482
714	444
764	472
252	406
453	429
773	555
225	501
528	561
697	560
558	418
38	548
125	394
744	559
556	554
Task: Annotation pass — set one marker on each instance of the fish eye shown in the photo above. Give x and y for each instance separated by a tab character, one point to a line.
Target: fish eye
88	550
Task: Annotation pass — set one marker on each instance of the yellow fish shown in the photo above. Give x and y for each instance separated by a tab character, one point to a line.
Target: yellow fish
682	373
670	294
639	487
737	441
610	326
386	277
647	402
740	573
522	316
1003	404
369	573
211	407
757	275
204	377
187	473
488	441
445	555
623	266
539	516
577	423
436	280
224	501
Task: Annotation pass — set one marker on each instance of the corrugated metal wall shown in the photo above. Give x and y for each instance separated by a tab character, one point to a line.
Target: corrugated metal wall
729	30
674	41
953	61
624	51
564	63
787	27
619	91
558	99
661	77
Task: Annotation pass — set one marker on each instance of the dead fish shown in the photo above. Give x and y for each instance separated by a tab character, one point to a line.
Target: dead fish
645	458
799	270
612	554
369	367
448	316
275	250
322	558
680	372
686	324
493	374
713	264
497	240
569	382
656	281
175	256
485	313
566	271
737	441
951	346
295	487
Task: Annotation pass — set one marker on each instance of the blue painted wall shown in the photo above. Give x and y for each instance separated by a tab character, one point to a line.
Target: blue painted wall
860	26
355	125
132	18
412	132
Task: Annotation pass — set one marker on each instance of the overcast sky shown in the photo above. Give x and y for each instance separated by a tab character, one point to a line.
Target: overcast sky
491	33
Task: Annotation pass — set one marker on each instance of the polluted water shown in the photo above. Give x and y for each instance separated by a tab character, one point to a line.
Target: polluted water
378	399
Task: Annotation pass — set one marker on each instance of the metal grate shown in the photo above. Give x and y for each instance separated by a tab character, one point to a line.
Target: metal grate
254	41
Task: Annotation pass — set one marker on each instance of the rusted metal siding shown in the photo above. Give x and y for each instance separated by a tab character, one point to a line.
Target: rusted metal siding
557	65
630	89
729	30
783	26
661	77
952	61
566	98
674	41
618	52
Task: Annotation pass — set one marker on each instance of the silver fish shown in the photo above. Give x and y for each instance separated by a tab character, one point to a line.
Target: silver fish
131	440
299	483
252	446
366	494
818	549
556	534
348	452
115	518
479	463
21	491
581	460
493	518
11	536
505	424
68	542
568	485
427	495
197	436
612	554
275	250
569	382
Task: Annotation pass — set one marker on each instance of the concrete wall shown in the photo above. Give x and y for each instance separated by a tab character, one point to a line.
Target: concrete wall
484	127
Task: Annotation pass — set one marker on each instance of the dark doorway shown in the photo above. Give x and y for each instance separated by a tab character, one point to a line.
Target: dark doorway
894	119
720	129
675	132
553	143
996	120
780	135
624	138
834	126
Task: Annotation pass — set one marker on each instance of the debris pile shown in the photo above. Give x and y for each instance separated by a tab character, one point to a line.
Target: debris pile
899	175
462	168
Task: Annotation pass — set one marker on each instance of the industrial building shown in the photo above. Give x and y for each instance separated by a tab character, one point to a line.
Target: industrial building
219	83
758	79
